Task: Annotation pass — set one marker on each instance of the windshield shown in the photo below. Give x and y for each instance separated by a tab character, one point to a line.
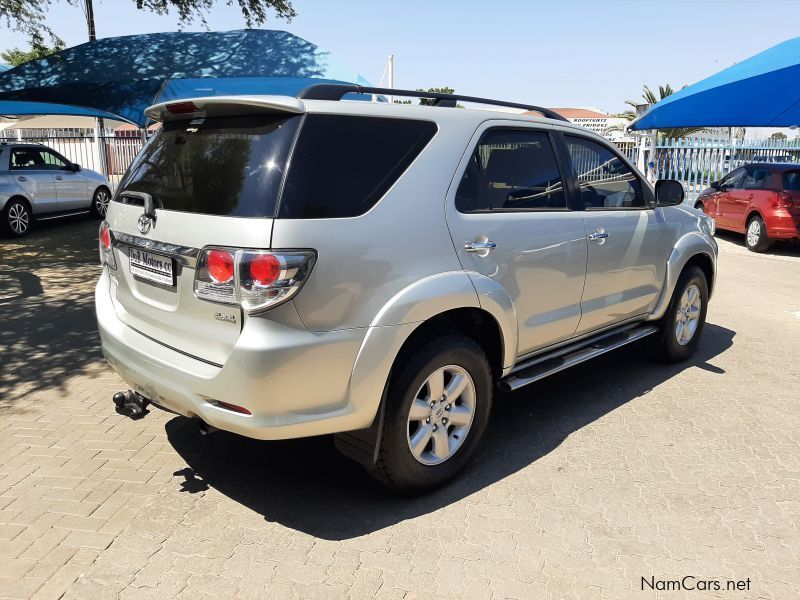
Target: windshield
222	166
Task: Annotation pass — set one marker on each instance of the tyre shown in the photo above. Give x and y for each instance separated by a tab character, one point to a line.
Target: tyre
100	200
682	325
438	406
755	237
17	217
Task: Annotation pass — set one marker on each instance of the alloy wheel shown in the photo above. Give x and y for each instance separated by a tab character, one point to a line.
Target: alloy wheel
688	317
18	218
101	200
753	233
441	415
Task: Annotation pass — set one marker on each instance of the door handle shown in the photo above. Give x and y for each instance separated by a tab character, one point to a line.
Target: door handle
22	178
59	177
479	246
597	235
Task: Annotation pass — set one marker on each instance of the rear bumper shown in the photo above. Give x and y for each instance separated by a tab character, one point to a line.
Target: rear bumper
783	228
295	382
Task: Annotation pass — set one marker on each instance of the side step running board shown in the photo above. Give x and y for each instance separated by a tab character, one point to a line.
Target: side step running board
541	366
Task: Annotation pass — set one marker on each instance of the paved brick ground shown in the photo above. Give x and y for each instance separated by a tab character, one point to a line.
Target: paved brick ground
587	482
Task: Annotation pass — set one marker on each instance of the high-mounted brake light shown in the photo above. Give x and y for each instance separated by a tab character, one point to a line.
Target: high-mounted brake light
181	108
104	245
255	279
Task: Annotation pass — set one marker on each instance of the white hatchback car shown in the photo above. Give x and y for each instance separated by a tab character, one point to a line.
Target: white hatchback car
36	182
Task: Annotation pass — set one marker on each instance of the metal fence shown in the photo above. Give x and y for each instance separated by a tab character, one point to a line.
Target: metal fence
107	152
696	162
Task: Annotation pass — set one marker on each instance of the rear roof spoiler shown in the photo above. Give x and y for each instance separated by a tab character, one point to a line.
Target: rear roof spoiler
224	106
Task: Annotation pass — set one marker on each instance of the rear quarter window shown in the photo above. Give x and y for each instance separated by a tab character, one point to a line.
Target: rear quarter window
342	165
791	181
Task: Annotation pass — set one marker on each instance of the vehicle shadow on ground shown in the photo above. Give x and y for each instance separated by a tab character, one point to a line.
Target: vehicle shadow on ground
778	248
48	332
306	485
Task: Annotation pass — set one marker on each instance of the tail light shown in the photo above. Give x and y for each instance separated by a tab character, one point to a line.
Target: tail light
104	244
255	279
782	200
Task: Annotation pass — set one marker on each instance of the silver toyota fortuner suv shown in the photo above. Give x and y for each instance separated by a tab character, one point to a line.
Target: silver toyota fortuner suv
284	267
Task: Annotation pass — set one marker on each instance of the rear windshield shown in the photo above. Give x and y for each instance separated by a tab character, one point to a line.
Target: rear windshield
791	181
342	165
219	166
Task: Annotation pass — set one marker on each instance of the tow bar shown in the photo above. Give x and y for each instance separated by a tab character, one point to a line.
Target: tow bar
130	404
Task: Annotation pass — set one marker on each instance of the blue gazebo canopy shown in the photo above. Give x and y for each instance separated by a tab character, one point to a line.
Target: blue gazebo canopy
762	91
119	77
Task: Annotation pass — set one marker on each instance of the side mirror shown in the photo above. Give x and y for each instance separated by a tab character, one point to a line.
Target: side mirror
715	185
76	167
669	192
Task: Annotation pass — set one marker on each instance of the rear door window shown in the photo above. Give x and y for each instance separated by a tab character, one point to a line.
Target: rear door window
342	165
218	166
27	159
512	170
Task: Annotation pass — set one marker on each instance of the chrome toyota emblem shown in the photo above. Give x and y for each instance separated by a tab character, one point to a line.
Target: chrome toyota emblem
145	223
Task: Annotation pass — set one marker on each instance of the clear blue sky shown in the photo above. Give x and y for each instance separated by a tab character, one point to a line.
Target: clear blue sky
554	53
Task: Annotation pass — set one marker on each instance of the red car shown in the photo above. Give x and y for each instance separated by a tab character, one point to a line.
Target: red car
761	200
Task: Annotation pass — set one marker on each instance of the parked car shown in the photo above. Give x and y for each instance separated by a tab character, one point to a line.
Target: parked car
287	267
759	200
36	182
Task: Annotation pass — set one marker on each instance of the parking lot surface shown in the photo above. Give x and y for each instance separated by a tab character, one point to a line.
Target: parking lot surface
586	483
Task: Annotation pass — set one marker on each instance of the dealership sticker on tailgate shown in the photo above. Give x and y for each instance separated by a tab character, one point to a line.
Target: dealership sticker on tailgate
151	267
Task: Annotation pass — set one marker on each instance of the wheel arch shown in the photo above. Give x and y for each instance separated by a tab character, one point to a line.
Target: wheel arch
20	197
753	212
692	249
706	265
442	302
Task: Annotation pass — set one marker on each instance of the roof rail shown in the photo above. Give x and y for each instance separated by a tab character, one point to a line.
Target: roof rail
335	91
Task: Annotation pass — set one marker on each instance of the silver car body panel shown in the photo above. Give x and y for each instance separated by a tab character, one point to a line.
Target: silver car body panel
173	316
692	237
320	362
540	258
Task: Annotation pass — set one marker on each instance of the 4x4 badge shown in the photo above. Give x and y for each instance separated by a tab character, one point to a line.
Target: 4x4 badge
226	318
145	223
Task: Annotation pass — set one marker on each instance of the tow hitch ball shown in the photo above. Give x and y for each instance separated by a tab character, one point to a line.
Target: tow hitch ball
130	404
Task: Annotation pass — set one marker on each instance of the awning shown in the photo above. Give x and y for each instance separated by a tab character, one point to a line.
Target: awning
120	77
762	91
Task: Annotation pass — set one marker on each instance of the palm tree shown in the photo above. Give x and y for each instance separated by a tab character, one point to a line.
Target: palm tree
650	98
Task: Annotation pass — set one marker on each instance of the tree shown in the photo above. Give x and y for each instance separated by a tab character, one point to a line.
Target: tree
429	101
650	97
28	16
778	136
434	90
17	56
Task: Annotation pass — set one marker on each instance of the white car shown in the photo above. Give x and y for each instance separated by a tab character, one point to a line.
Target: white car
36	182
289	267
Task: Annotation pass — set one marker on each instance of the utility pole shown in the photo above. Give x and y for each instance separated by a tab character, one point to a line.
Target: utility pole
99	124
90	20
